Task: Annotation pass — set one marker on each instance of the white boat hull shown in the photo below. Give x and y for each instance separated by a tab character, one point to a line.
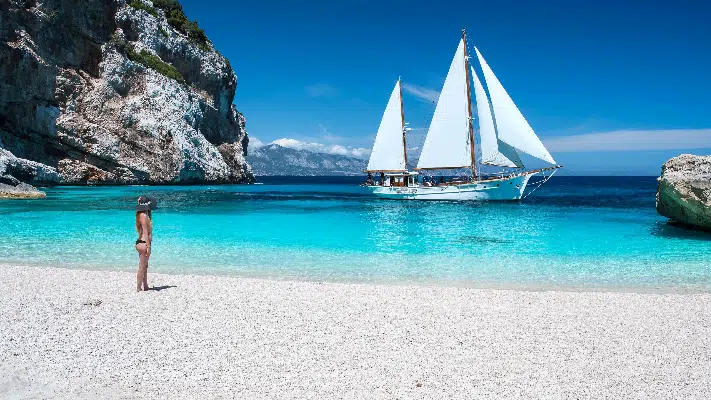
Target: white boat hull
504	189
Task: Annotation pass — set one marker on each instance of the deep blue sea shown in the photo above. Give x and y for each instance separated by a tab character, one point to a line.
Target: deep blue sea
573	233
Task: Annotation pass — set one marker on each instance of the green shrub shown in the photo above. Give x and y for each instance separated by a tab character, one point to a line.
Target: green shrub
204	47
153	62
141	6
177	19
162	31
118	42
194	32
167	5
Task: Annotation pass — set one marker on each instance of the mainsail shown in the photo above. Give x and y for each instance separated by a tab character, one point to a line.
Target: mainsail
389	151
447	143
512	127
493	151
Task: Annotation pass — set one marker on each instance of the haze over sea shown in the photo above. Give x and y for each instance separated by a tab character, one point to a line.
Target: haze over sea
573	233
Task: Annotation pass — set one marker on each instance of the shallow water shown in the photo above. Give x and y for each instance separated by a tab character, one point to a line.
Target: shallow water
574	233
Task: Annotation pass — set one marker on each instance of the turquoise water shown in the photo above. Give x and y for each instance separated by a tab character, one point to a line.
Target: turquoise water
572	233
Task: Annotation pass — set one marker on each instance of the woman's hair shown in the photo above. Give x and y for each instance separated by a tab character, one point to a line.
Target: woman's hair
138	220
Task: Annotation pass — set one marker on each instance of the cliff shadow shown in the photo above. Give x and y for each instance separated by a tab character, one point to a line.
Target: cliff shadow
675	230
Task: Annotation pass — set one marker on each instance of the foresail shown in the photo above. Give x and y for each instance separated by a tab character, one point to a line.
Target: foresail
510	154
512	127
388	150
492	149
447	143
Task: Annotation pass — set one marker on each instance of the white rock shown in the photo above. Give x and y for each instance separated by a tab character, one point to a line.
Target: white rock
684	192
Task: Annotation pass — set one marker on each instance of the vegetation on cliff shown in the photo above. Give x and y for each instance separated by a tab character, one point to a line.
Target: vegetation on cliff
142	6
176	19
154	62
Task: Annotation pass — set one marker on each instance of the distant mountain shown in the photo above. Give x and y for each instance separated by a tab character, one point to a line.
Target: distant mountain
273	159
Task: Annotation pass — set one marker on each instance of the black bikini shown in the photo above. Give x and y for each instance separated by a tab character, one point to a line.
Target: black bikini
140	241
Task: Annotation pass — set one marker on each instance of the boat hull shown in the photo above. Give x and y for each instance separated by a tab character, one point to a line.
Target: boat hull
504	189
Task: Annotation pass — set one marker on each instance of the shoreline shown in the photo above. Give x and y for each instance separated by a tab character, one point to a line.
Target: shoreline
85	334
441	283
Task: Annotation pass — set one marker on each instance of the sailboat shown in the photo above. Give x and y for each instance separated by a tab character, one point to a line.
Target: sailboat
449	144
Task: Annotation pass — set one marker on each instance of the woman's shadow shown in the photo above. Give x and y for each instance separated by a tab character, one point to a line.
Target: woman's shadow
159	288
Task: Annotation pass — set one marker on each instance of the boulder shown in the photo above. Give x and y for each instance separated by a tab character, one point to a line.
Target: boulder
684	191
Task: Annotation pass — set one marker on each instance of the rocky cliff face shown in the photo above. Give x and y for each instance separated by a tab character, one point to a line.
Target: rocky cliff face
106	92
684	192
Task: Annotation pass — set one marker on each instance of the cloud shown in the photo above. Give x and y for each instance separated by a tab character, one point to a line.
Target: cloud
425	94
321	90
632	140
314	147
255	143
360	152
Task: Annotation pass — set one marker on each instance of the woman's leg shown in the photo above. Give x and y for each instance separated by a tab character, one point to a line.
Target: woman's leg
145	275
142	266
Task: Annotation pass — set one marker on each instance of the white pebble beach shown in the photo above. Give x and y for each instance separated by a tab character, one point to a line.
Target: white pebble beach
87	334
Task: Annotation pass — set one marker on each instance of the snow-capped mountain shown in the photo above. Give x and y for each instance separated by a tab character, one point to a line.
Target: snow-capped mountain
272	160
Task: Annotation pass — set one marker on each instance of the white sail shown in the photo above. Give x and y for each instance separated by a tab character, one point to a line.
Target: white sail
492	149
447	143
389	151
511	125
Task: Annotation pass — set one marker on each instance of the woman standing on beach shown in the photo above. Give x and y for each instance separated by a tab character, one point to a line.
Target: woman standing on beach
144	227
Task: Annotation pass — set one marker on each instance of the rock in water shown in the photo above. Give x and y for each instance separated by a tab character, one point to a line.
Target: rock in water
13	171
684	192
19	191
112	92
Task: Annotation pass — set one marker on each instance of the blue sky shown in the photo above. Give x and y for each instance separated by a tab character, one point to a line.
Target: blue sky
633	74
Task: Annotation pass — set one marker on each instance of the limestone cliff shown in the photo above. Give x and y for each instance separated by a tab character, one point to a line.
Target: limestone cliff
107	92
684	192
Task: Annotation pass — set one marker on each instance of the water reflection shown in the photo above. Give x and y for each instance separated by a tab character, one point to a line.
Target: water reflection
671	230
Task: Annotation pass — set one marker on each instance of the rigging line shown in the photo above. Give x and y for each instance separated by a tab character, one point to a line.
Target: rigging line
541	183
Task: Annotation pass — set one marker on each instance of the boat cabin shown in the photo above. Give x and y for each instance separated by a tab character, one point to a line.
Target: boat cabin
397	179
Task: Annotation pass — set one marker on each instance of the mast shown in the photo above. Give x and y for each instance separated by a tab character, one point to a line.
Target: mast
469	106
402	118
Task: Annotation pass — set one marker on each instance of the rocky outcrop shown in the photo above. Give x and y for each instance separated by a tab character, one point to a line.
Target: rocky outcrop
684	193
107	92
20	191
14	172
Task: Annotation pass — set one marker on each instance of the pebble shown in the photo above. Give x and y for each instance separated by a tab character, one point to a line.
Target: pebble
230	337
